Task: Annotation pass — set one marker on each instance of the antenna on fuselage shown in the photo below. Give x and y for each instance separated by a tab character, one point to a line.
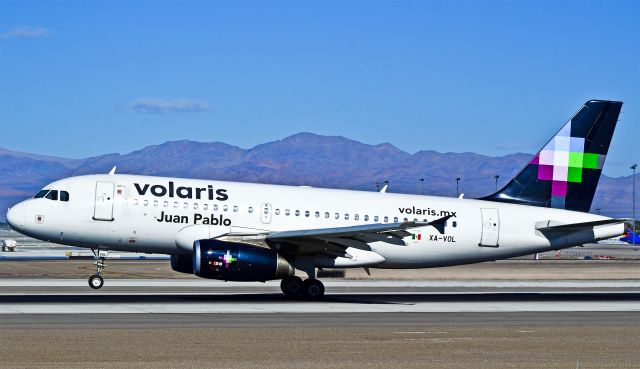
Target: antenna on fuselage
381	185
113	171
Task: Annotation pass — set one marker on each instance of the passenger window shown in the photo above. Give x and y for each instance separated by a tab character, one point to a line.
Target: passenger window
297	213
395	219
52	195
454	223
175	205
386	219
166	204
155	203
366	218
135	202
337	216
64	196
41	194
406	220
317	214
185	205
346	216
215	207
250	209
356	217
287	212
376	218
195	206
235	209
146	202
205	207
326	215
306	213
225	208
277	211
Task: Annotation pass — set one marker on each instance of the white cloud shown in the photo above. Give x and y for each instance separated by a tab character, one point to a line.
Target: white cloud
26	32
161	106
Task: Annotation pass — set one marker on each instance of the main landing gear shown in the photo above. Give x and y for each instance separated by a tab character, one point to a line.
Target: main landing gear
295	287
96	281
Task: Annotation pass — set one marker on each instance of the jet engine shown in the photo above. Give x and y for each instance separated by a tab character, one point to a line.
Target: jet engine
182	263
232	261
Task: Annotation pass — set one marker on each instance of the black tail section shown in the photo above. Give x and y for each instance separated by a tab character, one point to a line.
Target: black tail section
565	173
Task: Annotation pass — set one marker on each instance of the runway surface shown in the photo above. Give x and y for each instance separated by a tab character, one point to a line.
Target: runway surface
168	323
37	296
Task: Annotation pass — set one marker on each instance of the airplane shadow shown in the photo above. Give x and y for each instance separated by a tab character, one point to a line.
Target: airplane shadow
369	298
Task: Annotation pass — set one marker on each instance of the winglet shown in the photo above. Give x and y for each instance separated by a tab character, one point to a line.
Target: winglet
440	223
384	189
113	171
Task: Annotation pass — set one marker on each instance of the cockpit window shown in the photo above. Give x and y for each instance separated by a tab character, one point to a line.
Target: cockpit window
52	195
64	196
40	194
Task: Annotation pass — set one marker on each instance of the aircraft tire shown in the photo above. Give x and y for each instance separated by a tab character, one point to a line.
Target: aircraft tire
291	286
96	282
312	289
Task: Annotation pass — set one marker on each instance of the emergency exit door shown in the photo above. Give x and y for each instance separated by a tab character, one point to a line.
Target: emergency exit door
490	228
103	209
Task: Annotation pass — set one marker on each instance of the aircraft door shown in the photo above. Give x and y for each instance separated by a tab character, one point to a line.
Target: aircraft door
265	213
103	209
490	228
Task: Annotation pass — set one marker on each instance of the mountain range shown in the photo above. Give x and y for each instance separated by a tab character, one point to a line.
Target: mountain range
301	159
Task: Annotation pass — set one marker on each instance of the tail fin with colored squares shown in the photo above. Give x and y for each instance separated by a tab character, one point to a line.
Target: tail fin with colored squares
565	173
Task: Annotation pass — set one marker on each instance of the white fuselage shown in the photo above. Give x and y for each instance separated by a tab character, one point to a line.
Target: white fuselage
167	218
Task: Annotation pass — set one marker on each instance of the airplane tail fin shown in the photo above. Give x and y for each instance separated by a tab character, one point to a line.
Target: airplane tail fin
565	173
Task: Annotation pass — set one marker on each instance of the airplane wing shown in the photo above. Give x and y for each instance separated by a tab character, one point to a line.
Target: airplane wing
334	241
391	230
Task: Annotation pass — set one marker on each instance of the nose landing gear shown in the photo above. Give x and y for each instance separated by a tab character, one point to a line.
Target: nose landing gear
96	281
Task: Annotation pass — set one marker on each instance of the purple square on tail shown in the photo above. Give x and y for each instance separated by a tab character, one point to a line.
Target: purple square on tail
558	188
545	172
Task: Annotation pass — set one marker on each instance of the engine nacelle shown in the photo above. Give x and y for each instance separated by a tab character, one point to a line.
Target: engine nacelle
182	263
231	261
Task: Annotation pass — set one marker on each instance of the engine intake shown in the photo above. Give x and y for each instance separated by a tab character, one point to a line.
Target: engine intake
231	261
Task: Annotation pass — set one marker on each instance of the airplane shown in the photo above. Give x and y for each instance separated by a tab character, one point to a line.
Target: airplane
631	237
235	231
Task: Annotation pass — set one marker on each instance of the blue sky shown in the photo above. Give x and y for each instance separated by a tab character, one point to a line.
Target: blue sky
81	78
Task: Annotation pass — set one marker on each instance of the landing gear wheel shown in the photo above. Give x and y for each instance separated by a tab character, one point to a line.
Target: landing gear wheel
96	282
291	286
312	289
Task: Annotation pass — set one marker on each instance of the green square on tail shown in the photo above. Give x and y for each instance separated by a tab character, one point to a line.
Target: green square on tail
576	159
574	174
590	161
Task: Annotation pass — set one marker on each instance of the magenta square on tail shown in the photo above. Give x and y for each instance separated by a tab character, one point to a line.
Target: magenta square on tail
558	188
545	172
535	160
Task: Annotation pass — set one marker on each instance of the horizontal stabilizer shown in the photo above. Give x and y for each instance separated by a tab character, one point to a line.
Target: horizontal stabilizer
572	227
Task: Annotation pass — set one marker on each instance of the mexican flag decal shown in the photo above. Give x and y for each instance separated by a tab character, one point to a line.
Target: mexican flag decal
416	236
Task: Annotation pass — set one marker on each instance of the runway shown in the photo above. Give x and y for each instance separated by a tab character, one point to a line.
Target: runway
188	323
36	296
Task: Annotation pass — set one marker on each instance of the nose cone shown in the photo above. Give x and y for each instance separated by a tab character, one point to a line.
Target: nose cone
15	216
